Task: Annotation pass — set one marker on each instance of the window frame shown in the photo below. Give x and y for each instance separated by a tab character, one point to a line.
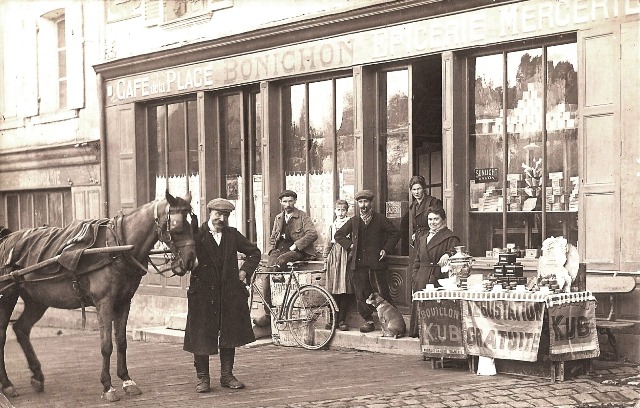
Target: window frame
503	49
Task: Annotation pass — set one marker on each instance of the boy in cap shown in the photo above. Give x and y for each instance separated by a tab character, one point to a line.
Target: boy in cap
218	310
369	237
292	239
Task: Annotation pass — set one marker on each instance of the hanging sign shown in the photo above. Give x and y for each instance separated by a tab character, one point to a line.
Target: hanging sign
484	175
503	329
572	331
441	328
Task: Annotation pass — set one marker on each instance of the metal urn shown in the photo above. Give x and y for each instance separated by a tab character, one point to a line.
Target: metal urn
460	266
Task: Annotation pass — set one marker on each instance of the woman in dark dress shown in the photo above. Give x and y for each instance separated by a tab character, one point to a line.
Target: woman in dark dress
432	253
420	203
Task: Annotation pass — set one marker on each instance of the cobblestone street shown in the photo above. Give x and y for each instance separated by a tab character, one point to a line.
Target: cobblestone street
292	377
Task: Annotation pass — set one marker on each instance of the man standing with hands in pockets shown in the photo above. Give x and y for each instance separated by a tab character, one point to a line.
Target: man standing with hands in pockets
368	237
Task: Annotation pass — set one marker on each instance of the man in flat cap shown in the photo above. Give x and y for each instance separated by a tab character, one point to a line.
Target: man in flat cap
292	239
368	237
218	317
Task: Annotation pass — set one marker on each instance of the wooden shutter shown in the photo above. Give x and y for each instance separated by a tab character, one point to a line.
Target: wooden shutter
86	202
599	142
75	56
121	158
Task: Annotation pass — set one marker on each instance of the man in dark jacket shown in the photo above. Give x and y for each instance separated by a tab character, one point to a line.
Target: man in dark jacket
292	239
368	237
218	316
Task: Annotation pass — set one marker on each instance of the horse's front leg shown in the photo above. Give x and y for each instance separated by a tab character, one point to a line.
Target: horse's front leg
105	320
7	304
22	327
120	325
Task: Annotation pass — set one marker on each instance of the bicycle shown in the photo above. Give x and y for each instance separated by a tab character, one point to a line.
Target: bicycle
309	311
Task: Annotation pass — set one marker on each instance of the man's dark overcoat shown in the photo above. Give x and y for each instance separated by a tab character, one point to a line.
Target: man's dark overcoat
218	300
381	234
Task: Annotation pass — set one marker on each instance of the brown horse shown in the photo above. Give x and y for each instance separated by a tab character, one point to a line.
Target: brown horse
107	281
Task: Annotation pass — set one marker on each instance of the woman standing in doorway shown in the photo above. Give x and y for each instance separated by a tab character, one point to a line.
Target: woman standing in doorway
420	203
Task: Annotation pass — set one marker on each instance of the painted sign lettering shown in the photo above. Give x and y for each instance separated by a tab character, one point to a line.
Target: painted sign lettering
474	28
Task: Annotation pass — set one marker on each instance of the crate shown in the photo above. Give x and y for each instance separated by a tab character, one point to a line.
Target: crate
281	337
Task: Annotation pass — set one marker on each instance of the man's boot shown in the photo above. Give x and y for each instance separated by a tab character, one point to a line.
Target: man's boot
201	362
227	357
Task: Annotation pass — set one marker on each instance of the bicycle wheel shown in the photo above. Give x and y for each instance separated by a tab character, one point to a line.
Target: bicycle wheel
312	317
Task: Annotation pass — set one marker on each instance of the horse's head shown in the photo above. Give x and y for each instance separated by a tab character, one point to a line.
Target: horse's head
177	233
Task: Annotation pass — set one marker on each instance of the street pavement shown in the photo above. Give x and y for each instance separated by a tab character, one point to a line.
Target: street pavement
293	377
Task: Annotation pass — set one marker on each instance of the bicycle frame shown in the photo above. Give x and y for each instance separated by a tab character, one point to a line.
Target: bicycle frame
279	317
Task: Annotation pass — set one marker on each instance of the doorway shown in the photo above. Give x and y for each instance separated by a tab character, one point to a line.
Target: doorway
409	143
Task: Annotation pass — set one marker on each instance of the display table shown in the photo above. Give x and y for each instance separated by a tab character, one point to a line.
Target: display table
512	326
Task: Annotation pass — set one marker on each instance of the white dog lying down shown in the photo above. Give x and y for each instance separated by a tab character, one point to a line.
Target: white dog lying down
391	320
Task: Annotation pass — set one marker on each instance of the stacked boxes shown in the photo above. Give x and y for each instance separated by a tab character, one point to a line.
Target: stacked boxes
573	196
556	199
507	272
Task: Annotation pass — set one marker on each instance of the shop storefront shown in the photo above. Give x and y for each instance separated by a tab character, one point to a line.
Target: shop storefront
514	113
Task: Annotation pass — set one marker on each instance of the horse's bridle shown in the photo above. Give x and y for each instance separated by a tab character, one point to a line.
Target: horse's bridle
164	236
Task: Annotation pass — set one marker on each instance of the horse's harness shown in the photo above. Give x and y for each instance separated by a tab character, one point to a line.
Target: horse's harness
114	225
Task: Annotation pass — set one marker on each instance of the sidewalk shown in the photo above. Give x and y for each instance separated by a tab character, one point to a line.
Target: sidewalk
292	377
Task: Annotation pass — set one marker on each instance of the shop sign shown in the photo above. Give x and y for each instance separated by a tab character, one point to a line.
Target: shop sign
491	25
572	331
503	329
394	209
441	328
485	175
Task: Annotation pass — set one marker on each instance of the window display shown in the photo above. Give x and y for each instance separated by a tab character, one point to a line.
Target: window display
523	185
318	147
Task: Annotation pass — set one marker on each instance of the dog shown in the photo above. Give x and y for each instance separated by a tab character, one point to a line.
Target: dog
391	320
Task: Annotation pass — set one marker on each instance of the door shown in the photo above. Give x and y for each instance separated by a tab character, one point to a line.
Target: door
409	143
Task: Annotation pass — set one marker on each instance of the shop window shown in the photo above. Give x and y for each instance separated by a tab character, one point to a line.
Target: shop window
319	147
523	149
31	209
173	151
240	160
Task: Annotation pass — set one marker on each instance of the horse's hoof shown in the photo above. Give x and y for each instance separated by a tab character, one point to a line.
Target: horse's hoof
10	391
37	385
131	388
110	395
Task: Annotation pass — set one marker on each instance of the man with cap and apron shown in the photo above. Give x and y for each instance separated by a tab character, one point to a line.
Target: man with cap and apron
292	239
218	310
368	237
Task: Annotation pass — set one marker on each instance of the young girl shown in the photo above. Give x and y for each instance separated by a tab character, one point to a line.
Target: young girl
338	283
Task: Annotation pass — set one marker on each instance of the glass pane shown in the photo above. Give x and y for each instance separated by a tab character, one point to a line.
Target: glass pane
62	94
562	142
486	145
157	167
177	147
256	114
395	175
193	169
62	64
231	146
60	31
295	141
321	157
345	152
524	133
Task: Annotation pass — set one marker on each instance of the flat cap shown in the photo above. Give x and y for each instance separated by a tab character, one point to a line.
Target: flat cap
364	194
220	204
288	193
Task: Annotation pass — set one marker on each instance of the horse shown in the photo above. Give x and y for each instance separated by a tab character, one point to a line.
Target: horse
107	280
